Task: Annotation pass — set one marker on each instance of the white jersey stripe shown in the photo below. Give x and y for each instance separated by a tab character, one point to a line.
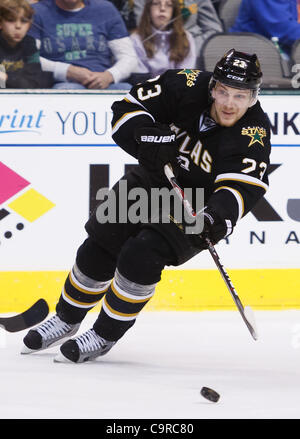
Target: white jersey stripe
243	178
128	116
130	98
238	197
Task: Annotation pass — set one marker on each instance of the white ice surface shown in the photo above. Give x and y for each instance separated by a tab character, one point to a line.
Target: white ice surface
157	370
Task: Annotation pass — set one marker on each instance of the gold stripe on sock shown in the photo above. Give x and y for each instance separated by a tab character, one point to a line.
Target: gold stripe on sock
127	299
80	303
121	314
82	290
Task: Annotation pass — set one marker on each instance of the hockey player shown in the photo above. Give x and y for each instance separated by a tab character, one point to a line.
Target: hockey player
222	144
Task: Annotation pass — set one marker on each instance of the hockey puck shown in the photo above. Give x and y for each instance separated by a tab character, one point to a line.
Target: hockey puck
210	394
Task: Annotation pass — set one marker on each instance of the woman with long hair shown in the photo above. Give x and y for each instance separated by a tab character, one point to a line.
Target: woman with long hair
160	40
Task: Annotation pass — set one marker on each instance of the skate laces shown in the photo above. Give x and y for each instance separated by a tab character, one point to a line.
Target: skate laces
53	328
91	341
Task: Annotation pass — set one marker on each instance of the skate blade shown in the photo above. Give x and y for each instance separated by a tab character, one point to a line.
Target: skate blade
60	358
25	350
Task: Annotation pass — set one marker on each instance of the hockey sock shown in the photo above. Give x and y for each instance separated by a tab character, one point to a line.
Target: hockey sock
79	294
121	306
86	283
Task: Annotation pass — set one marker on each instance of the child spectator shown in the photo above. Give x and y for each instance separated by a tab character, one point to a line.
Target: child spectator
161	42
19	57
199	17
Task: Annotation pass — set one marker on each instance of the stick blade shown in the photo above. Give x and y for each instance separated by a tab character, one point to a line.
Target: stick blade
32	316
249	314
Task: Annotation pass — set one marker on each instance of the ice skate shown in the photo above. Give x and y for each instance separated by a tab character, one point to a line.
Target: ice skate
87	346
48	334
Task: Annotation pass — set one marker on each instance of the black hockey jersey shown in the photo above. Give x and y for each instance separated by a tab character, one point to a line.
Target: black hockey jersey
230	163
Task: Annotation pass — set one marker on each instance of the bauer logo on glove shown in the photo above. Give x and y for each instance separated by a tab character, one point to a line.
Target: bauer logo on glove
158	139
157	146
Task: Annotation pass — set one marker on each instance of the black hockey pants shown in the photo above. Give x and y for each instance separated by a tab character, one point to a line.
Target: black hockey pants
137	252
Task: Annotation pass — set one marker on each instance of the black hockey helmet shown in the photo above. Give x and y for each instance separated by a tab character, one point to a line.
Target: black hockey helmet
238	70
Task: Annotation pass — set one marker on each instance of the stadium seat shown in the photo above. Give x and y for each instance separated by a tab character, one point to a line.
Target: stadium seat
269	57
295	52
228	11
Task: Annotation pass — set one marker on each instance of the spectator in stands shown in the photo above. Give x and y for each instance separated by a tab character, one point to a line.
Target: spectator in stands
161	42
125	7
270	18
200	19
19	57
217	4
79	38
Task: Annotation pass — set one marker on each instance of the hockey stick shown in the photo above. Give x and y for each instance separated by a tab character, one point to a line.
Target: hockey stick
246	313
32	316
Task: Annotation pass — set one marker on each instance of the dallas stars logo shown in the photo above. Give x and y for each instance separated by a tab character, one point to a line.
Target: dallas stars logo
256	134
191	76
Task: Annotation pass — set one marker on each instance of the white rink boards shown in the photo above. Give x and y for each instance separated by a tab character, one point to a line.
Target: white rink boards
53	145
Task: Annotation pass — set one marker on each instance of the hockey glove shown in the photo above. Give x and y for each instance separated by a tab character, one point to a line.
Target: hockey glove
158	146
214	229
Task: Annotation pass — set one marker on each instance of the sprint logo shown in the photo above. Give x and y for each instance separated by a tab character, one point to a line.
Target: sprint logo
20	204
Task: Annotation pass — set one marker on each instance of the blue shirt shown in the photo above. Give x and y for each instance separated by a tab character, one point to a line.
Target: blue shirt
270	18
80	38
